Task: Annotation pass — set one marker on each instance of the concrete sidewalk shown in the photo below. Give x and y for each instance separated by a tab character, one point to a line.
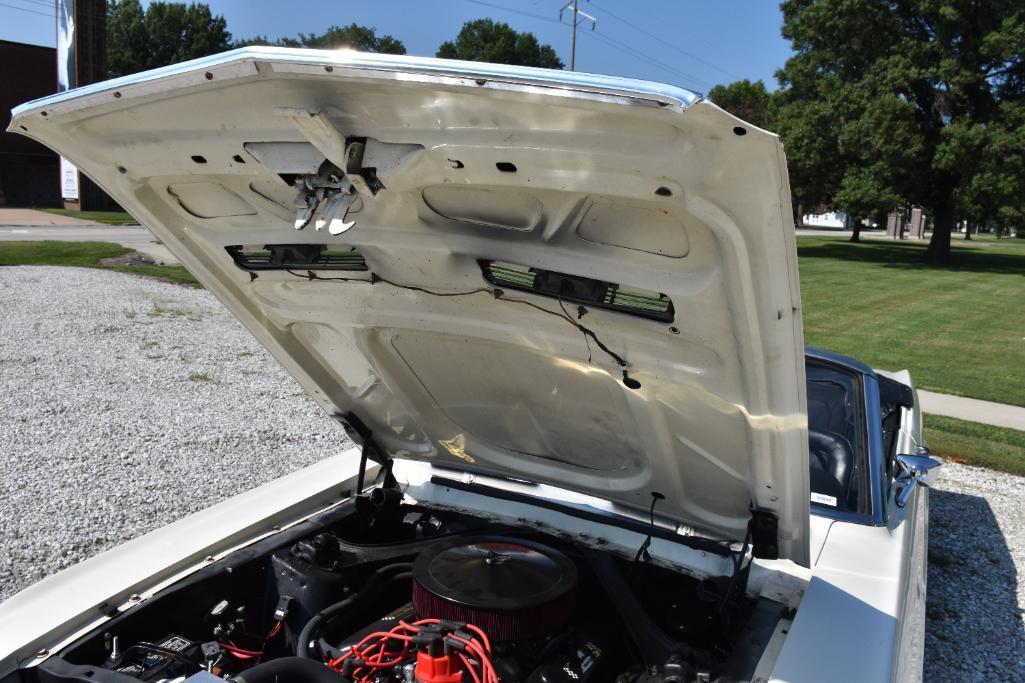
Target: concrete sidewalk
972	409
14	217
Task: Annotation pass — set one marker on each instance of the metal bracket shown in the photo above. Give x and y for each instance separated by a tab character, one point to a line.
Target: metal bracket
329	190
350	175
337	184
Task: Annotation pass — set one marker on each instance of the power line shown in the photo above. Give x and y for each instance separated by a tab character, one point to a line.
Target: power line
637	54
668	44
539	17
611	42
25	9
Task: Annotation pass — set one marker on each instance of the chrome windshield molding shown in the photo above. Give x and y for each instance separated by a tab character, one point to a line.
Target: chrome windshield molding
876	456
839	359
657	93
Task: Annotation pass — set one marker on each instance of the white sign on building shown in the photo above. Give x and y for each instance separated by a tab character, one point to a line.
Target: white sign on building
69	180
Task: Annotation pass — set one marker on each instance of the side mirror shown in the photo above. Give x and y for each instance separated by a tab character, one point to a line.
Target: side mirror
917	469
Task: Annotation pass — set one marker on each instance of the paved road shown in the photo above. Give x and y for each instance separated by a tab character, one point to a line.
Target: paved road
809	232
844	234
126	235
134	237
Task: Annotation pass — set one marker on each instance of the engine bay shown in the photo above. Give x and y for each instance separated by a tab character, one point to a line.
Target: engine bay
380	590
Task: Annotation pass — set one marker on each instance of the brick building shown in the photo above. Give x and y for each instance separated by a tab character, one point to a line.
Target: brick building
30	172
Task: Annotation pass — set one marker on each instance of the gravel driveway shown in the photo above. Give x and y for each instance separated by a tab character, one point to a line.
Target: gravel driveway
128	403
976	599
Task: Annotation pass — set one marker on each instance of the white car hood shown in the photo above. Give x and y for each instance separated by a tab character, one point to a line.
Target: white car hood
593	181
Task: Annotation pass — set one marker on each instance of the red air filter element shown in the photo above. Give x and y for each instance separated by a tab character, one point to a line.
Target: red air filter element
511	589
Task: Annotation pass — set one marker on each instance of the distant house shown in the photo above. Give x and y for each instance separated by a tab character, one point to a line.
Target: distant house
828	219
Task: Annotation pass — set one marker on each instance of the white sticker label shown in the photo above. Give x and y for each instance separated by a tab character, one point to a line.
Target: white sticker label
823	499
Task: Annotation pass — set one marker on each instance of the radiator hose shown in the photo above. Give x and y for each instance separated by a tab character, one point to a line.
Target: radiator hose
383	577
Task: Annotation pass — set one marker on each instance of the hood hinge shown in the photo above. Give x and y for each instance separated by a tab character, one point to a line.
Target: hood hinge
357	430
764	534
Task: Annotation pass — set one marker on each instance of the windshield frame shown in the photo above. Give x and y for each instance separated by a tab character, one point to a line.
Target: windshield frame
871	459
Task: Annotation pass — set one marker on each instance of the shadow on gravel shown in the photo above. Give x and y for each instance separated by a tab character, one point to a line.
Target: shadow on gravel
973	628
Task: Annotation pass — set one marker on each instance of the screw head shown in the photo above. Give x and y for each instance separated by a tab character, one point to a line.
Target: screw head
42	653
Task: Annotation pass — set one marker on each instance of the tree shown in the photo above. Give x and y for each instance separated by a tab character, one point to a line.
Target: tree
810	136
995	194
164	33
485	40
917	88
353	36
749	101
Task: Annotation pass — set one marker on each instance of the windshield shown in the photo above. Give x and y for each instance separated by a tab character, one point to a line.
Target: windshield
834	437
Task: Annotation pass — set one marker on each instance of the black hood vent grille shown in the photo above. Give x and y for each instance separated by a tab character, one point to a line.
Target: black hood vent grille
580	290
296	257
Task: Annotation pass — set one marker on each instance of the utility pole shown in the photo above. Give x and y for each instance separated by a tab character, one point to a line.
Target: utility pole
572	7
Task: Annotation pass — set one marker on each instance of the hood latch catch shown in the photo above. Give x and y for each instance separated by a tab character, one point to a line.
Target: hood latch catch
330	190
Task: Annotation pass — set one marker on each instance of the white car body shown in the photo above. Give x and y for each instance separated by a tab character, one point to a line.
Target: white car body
506	407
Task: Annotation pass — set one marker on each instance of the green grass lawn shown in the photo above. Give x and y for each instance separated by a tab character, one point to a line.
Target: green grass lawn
958	329
108	217
87	255
976	444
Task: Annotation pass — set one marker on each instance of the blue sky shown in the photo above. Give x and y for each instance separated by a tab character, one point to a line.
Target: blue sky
691	43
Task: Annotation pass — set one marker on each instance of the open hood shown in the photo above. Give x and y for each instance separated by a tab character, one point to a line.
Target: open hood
579	280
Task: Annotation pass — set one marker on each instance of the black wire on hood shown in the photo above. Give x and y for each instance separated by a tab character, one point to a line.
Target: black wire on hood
589	334
642	552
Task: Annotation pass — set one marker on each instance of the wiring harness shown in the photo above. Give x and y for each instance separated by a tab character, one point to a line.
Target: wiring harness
439	651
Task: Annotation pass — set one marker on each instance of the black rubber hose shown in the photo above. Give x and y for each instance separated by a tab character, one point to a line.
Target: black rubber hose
382	577
654	644
289	670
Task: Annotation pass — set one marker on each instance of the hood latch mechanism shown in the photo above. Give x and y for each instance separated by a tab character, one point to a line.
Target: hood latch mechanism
332	191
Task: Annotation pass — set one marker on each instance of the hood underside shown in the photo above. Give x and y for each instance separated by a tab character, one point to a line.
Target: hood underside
578	280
